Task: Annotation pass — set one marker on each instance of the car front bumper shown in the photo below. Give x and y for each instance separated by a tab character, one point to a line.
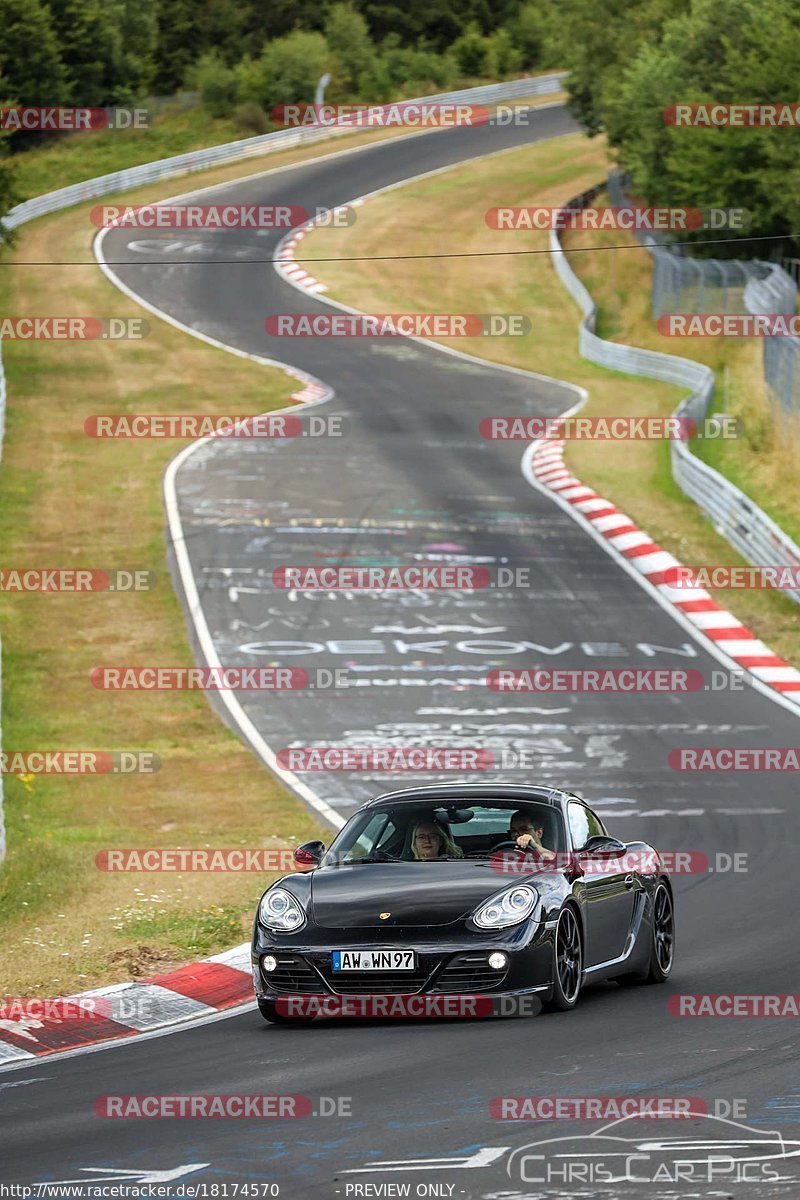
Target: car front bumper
443	969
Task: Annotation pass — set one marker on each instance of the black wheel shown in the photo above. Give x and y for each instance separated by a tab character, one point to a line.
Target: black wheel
662	943
568	973
662	952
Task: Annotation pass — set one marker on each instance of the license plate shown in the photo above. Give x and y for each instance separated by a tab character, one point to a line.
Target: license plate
373	960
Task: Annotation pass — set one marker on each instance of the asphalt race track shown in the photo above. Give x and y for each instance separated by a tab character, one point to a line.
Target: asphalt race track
412	477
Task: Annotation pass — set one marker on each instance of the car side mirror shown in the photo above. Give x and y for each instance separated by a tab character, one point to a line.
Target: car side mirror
309	854
602	846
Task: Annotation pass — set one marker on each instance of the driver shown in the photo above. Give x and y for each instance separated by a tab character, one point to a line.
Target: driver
528	835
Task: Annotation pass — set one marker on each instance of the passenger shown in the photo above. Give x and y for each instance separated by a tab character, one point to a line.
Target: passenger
430	840
528	835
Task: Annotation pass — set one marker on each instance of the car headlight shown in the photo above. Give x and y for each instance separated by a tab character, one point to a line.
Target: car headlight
279	910
506	908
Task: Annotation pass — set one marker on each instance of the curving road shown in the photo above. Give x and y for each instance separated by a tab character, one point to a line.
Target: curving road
413	481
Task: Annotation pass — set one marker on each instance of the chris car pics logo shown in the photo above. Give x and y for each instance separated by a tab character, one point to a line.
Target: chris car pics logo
629	1155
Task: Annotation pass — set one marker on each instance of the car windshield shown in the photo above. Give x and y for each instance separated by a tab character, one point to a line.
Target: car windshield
443	832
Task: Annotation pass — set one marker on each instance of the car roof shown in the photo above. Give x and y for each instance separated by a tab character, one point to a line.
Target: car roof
515	792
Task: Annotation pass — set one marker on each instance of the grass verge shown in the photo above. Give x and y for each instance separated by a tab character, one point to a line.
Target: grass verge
69	500
445	214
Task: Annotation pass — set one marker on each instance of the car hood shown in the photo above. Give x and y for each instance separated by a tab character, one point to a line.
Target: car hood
413	893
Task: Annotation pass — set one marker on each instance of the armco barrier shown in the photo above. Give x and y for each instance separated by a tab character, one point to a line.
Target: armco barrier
267	143
685	284
733	514
230	152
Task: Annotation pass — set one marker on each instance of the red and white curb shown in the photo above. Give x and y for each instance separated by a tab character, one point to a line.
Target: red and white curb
545	461
313	391
123	1010
287	266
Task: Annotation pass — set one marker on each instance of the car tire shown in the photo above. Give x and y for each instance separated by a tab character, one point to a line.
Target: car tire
567	961
662	942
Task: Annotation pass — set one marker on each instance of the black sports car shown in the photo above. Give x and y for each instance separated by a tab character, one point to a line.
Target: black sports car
463	890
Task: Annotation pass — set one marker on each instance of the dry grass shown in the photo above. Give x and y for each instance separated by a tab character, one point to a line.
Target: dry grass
445	215
72	500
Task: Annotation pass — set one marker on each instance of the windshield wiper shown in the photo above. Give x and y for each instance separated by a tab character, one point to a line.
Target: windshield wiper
373	858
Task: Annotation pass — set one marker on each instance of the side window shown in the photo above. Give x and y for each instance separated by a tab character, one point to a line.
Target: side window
583	824
596	826
578	824
387	836
377	830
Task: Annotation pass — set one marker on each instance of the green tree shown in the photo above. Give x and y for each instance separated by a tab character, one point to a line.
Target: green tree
598	41
264	21
504	57
180	43
8	191
216	83
413	71
347	35
286	72
437	23
537	31
472	52
90	38
139	28
221	27
751	58
30	62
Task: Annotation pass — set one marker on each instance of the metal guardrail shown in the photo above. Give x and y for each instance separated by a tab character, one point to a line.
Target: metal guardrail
684	284
266	143
239	151
734	515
